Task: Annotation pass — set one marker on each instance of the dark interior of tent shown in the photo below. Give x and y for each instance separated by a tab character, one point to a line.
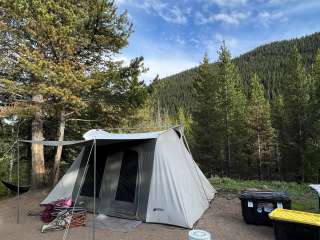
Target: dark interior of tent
128	171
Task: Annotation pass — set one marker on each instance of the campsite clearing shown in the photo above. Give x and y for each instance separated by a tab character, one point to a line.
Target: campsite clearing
223	220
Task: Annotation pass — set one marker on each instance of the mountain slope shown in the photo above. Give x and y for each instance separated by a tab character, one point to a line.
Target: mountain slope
268	61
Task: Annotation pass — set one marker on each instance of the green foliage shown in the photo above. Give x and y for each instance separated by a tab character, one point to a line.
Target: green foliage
63	50
186	121
261	132
270	62
219	116
205	122
231	107
296	99
63	53
281	103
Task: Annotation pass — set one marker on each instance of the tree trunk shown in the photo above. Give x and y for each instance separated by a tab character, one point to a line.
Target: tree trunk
259	157
57	158
301	150
228	153
302	167
38	168
12	158
278	160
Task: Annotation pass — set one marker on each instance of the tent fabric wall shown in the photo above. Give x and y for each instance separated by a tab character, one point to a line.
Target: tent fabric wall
179	195
65	186
172	188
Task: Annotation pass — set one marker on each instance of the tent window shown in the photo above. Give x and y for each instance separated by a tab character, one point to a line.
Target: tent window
128	177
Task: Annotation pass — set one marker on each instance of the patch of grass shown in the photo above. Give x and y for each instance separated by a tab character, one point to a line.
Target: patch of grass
4	193
302	197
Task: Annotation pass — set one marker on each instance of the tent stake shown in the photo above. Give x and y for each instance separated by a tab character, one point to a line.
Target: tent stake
18	184
94	189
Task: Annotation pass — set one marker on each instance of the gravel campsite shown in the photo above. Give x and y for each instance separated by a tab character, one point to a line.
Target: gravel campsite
223	220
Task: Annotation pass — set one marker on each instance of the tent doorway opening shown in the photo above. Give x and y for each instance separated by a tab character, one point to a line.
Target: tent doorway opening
126	189
117	180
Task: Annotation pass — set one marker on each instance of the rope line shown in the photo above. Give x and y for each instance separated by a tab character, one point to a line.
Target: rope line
94	189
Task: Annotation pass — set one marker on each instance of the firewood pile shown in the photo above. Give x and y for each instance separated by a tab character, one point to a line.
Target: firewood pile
78	219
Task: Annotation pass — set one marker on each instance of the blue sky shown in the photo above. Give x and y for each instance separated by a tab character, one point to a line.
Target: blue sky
174	35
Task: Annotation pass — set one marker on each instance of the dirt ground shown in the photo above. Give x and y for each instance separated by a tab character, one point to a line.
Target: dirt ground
223	220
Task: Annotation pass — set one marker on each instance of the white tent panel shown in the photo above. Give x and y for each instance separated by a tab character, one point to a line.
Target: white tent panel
100	134
64	187
206	187
178	193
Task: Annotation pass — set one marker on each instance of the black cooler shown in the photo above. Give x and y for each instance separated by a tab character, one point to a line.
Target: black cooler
256	205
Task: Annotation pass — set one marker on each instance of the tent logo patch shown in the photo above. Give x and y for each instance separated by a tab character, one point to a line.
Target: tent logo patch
158	209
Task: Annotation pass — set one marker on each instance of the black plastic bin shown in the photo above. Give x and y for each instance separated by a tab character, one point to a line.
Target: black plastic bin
256	205
295	225
293	231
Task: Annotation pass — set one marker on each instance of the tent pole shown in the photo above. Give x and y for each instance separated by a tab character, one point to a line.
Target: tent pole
94	189
18	184
66	232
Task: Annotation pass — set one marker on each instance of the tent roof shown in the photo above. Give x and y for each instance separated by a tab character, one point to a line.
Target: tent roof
103	135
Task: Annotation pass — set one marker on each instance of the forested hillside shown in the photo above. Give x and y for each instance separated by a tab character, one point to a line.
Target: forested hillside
270	62
255	116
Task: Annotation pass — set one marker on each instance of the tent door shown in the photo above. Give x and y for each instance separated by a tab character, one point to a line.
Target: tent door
120	193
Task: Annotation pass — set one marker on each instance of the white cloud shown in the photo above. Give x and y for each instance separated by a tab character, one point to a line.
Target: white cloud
230	42
165	57
166	66
173	15
229	3
180	40
200	19
266	18
119	2
235	45
281	2
233	18
163	66
168	12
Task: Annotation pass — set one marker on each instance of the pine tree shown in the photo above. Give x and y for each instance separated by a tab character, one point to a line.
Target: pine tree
296	100
186	121
313	163
261	133
315	94
205	120
57	60
277	116
232	107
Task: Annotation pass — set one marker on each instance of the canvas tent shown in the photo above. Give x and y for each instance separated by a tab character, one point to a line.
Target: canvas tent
150	177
